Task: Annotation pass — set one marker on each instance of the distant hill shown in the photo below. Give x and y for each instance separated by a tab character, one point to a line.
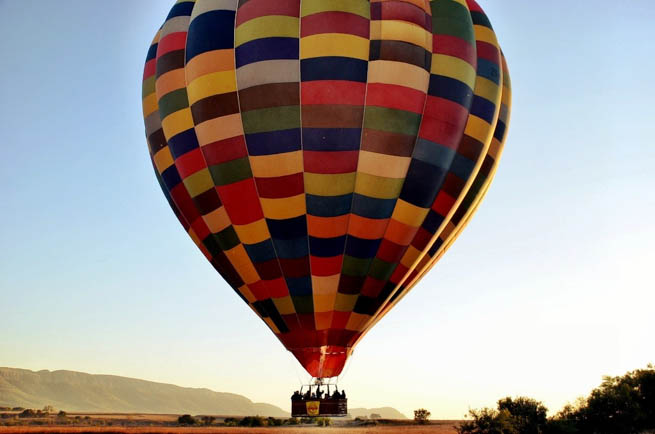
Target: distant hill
384	412
80	392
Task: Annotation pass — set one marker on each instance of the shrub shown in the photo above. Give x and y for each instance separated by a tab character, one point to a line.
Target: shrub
528	415
252	421
272	421
186	419
27	413
421	416
307	420
323	421
293	421
488	421
208	420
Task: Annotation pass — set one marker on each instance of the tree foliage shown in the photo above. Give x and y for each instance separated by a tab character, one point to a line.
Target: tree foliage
252	421
527	414
488	421
186	419
208	420
421	416
620	405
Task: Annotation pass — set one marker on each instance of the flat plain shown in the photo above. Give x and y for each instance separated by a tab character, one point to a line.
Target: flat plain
409	429
106	423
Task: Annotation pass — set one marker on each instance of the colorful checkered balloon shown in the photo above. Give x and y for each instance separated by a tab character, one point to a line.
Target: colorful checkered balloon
324	154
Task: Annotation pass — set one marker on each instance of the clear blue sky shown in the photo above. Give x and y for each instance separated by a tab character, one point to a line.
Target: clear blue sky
549	288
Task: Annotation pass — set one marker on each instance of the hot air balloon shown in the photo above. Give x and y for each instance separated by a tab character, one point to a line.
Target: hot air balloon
324	154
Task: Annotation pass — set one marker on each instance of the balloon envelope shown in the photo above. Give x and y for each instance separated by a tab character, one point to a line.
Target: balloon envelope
323	154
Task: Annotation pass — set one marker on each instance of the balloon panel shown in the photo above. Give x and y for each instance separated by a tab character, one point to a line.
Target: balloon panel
317	151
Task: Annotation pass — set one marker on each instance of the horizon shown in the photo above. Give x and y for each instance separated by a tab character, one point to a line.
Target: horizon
547	290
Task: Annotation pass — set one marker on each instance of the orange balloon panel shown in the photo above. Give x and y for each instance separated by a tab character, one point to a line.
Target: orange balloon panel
317	151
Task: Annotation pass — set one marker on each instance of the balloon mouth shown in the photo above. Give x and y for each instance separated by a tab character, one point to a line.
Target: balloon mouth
322	362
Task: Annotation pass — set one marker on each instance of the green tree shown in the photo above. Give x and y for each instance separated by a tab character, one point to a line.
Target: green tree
488	421
528	415
621	405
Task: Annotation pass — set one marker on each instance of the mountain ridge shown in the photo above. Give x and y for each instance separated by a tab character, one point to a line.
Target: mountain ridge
103	393
78	391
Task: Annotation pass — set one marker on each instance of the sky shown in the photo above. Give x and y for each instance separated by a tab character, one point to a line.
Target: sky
549	288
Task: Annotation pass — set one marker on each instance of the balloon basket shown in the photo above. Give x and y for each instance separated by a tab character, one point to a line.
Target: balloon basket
319	400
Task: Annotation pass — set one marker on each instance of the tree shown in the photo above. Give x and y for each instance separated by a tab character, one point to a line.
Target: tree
272	421
620	405
529	415
208	420
488	421
186	419
421	416
48	409
252	421
514	416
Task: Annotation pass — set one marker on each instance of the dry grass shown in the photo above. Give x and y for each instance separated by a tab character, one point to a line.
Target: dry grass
446	428
113	423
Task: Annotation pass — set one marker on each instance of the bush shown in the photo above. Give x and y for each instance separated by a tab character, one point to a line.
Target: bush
61	413
307	420
29	413
208	420
186	419
528	415
621	405
272	421
293	421
230	421
252	421
421	416
488	421
514	416
323	421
